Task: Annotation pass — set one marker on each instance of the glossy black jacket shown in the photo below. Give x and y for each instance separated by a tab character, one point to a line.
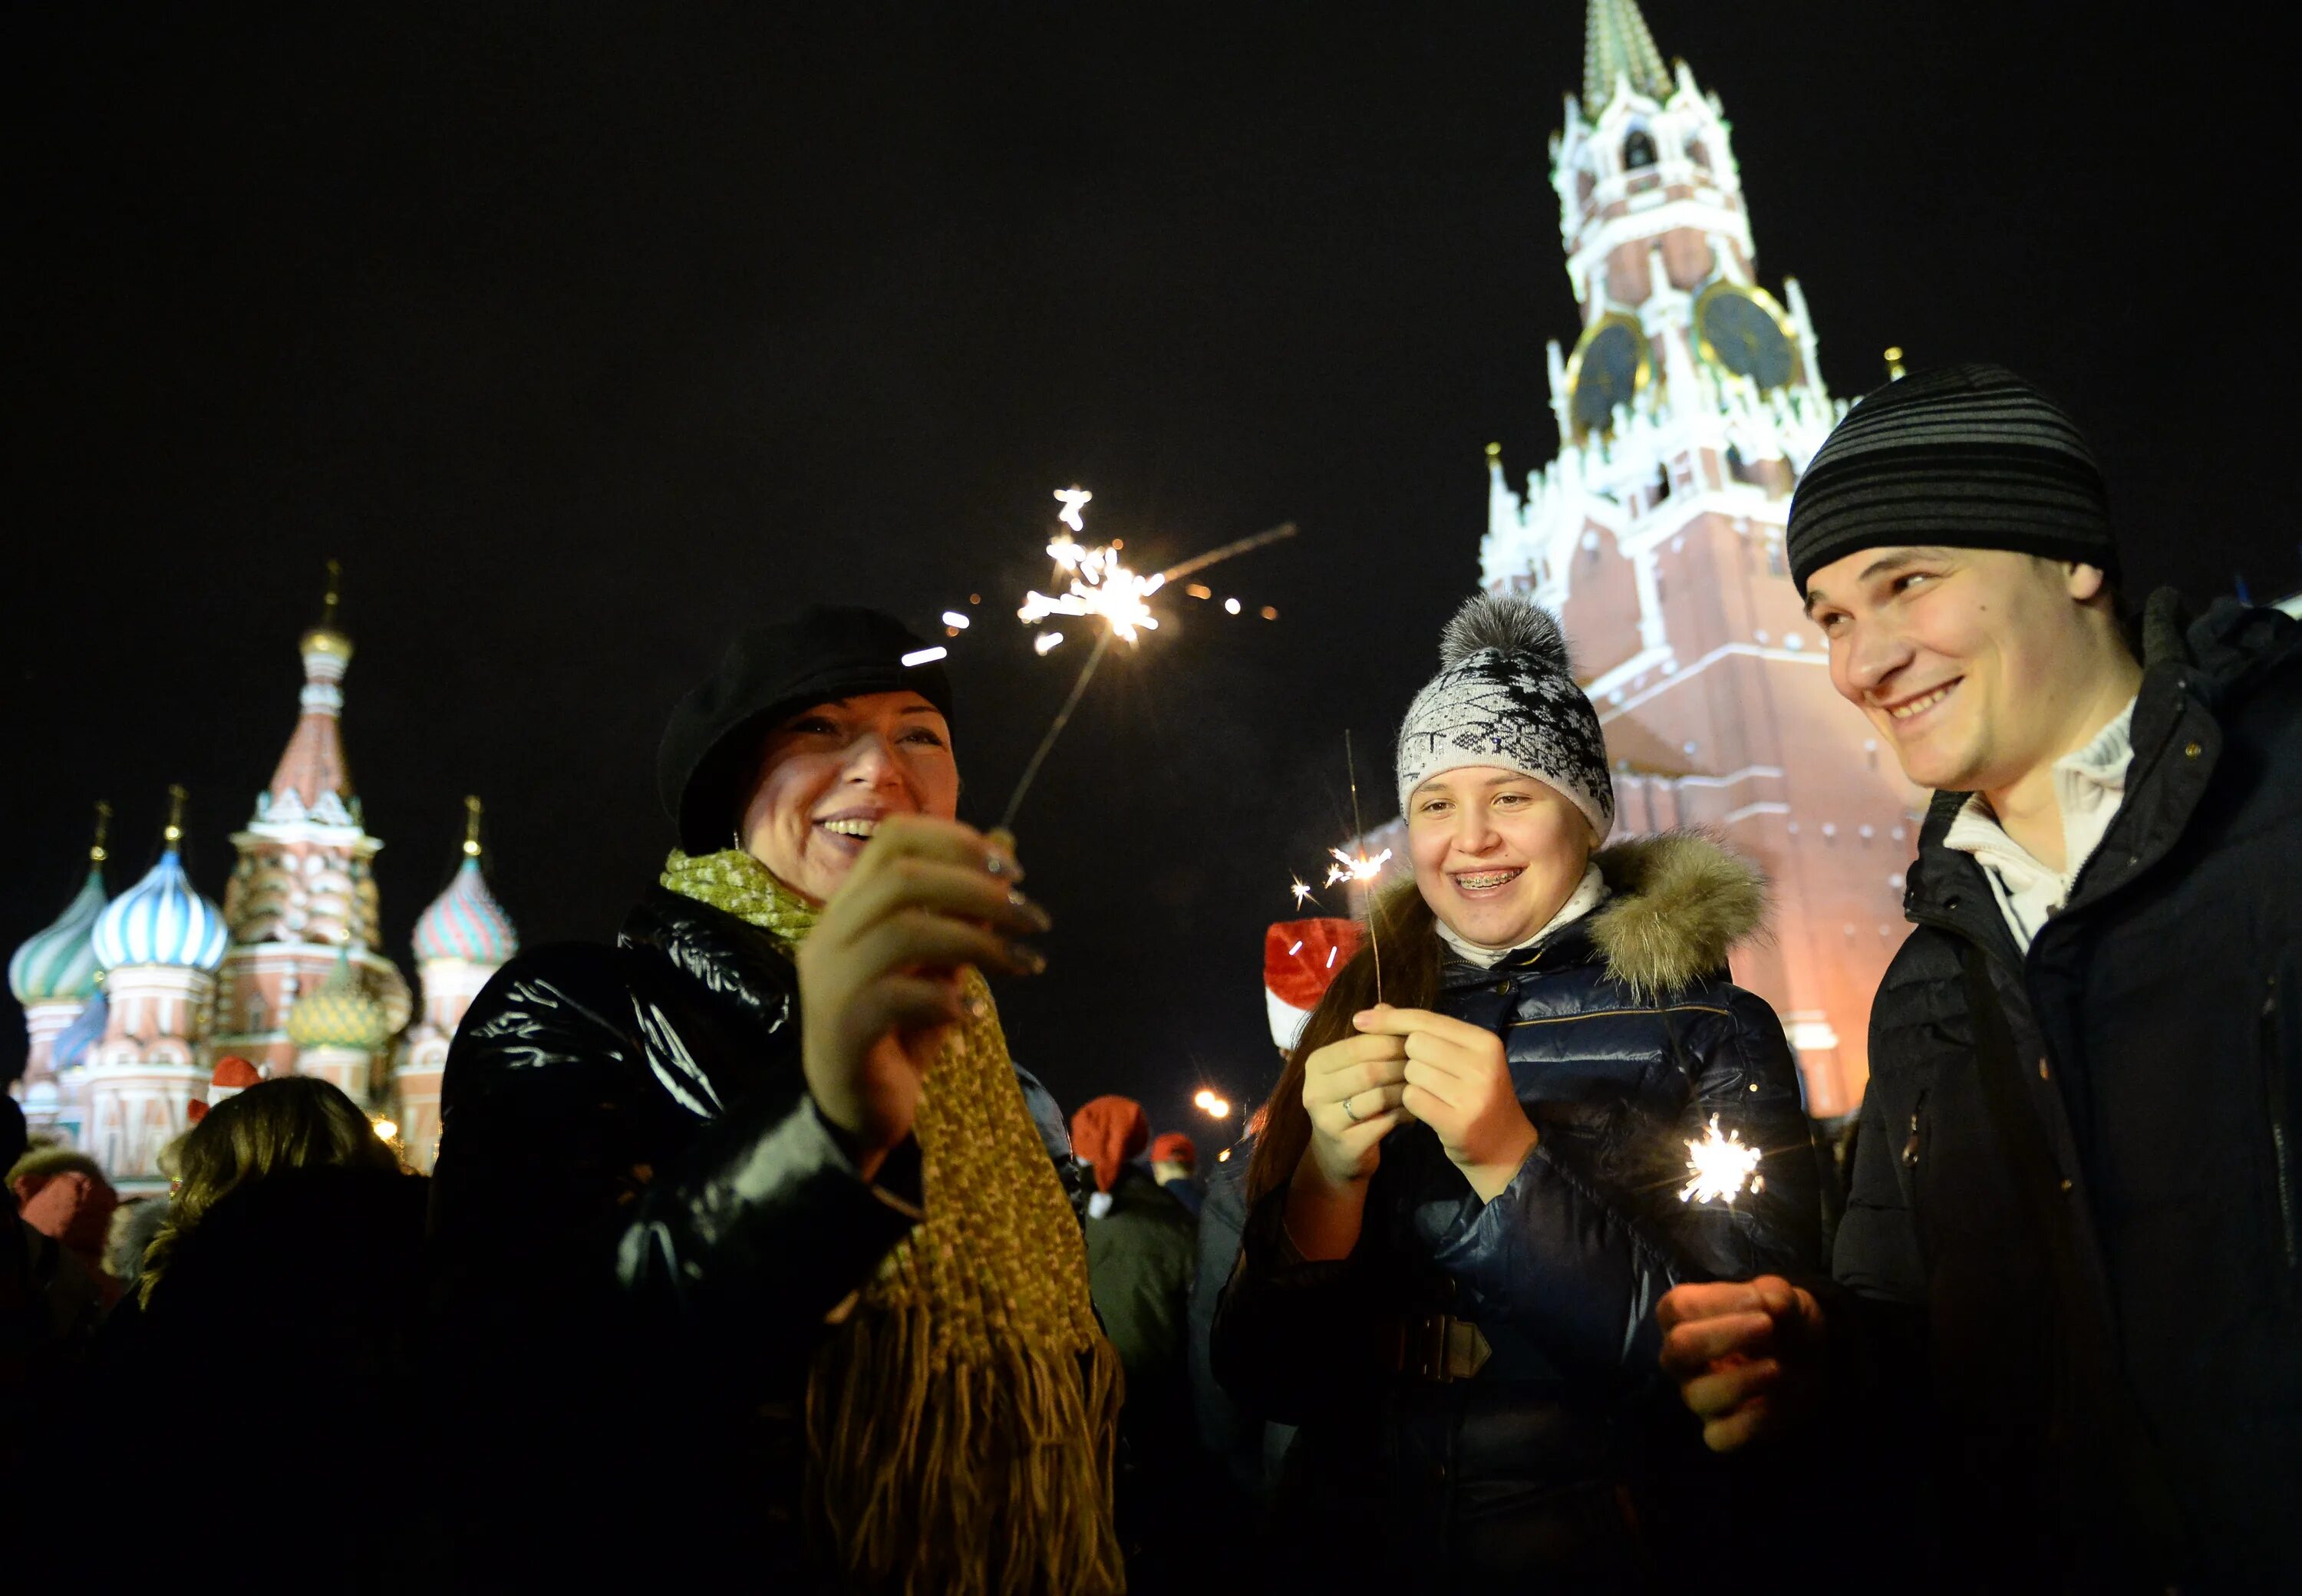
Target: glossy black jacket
1625	1038
2155	1019
639	1223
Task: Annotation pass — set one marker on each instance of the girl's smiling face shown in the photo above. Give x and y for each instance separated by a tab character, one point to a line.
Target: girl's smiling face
1496	853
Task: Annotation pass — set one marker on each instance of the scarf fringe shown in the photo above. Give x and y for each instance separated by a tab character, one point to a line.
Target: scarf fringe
1008	1448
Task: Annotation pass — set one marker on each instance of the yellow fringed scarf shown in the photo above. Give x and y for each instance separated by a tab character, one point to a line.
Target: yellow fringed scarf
959	1421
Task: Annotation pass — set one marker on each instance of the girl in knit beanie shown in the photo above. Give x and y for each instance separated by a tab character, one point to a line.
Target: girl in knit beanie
1466	1197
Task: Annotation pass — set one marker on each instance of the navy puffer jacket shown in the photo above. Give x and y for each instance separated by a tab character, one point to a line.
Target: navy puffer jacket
1563	1452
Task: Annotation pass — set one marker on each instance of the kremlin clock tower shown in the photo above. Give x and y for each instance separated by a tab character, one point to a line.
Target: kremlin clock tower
1688	405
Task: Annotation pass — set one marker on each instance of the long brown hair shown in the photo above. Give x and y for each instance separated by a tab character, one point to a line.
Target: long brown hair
295	1121
1407	933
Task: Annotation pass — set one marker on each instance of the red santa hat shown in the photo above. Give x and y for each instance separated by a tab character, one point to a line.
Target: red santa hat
1172	1146
232	1075
1300	961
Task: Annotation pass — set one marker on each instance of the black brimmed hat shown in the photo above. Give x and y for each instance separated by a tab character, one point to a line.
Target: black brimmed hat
768	673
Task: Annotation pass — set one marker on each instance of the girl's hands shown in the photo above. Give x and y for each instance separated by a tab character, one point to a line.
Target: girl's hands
1456	1080
1351	1089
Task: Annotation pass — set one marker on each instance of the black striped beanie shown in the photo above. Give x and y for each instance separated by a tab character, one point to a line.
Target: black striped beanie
1970	457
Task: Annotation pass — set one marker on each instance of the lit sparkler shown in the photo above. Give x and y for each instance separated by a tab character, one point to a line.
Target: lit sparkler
1720	1168
1301	892
1347	868
1100	586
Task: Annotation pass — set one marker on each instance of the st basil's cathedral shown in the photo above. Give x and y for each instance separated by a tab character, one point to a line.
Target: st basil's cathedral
132	1002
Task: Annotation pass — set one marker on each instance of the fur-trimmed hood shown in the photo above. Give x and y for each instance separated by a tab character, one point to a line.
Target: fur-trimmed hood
1679	901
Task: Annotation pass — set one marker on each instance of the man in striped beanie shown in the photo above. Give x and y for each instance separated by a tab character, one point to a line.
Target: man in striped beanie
2085	1068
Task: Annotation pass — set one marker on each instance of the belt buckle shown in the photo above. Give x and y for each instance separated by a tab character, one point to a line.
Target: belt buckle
1442	1349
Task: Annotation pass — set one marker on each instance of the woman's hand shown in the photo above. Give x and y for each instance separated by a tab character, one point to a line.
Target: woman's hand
1459	1083
1351	1090
879	976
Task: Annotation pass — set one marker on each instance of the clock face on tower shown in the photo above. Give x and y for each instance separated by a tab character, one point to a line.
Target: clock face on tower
1744	331
1612	362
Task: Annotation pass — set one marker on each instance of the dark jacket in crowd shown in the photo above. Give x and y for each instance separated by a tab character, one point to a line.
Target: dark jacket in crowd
1564	1455
639	1220
2157	1037
1139	1256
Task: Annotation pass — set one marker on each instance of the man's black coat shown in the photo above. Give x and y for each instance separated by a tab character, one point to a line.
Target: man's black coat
2155	1037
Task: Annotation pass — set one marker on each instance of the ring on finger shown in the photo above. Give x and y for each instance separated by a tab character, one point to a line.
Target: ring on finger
1349	1109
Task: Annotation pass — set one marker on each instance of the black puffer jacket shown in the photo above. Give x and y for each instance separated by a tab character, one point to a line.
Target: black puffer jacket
2155	1021
1625	1038
639	1222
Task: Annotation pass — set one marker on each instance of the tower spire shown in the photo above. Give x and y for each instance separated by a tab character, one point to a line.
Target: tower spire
172	832
471	826
96	853
313	778
1616	45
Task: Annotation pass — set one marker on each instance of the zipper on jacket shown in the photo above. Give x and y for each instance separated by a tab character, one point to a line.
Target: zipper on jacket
2281	1150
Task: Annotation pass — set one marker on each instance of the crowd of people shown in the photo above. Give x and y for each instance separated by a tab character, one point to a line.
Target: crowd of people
750	1246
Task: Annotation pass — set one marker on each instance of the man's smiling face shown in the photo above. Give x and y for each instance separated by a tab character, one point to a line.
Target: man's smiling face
1962	657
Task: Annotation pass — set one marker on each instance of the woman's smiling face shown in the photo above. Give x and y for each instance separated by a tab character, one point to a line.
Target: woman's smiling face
1496	853
828	775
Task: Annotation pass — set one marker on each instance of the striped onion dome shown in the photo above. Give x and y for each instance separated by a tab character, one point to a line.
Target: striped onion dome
162	920
58	965
340	1014
73	1042
467	922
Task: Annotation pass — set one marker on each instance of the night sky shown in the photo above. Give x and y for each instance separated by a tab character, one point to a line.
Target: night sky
582	334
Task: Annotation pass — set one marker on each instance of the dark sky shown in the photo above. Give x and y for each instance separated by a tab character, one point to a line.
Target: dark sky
584	333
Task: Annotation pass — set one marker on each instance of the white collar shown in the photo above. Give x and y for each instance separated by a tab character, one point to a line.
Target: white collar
1588	894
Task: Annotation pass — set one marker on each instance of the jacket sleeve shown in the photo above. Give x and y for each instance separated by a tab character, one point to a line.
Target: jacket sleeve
1290	1334
1576	1257
548	1198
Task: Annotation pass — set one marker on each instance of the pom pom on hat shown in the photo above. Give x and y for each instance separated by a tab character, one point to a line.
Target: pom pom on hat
1300	961
1507	624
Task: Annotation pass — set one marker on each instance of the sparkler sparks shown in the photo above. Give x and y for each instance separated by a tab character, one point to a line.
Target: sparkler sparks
1361	869
1101	586
1301	892
1720	1168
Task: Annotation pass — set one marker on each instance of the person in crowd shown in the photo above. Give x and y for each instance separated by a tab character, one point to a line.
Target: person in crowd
1139	1256
275	1328
2067	1290
134	1224
1467	1200
64	1195
1175	1164
752	1239
50	1305
1300	959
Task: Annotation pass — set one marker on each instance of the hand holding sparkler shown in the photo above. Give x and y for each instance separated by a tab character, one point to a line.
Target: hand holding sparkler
1747	1355
881	974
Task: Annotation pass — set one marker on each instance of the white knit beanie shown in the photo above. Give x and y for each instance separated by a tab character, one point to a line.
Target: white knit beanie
1505	695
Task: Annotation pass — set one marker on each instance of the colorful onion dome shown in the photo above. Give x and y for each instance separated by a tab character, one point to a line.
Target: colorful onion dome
73	1042
163	919
340	1015
465	921
58	965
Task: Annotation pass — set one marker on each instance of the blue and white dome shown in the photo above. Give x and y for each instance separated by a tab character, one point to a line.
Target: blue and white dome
58	964
162	920
467	922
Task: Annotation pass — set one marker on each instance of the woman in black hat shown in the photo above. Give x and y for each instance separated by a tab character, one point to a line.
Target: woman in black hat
750	1237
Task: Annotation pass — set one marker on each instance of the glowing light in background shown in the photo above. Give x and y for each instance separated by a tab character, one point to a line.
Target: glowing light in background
1230	605
952	617
389	1130
1046	643
1214	1107
1721	1168
924	656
